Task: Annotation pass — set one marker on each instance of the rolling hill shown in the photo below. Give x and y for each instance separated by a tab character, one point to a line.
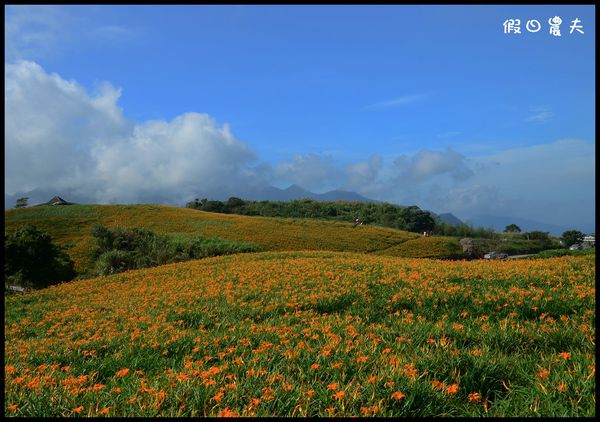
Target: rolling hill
71	227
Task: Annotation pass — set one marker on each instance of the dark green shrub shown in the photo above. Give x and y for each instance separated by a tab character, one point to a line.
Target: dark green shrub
31	259
104	238
553	253
123	249
571	237
115	261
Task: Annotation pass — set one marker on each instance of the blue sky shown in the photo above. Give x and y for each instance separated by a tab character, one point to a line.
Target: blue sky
427	105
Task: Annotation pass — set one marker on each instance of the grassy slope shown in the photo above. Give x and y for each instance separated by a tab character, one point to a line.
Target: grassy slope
71	226
425	247
309	334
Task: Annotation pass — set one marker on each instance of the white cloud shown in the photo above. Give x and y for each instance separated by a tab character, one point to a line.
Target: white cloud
34	31
113	32
541	114
427	164
399	101
59	137
552	183
560	164
362	175
540	117
177	159
50	125
450	134
464	200
310	171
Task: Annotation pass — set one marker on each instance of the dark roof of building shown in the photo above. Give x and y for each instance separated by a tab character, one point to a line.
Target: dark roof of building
57	200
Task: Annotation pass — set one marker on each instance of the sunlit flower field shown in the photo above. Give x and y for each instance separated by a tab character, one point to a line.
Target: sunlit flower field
309	333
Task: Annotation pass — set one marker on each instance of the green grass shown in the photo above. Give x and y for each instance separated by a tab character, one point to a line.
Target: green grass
552	253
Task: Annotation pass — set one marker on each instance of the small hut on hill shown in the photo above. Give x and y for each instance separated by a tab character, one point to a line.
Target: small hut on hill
57	200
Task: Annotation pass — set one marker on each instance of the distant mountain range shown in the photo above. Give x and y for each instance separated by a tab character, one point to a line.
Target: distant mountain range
269	193
499	224
450	219
293	192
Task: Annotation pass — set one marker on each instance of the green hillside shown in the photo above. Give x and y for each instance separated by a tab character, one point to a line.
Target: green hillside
71	227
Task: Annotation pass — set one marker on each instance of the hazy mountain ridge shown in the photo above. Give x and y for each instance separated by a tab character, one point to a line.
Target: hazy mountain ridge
499	223
449	218
269	193
293	192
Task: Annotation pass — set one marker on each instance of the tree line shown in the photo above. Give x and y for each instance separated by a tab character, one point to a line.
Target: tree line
410	218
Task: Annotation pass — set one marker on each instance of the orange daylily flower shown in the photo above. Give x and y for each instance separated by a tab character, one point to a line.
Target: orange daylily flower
398	395
452	389
122	372
474	397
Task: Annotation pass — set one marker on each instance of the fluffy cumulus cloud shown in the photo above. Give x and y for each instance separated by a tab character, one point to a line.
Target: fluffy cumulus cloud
59	137
181	157
310	171
552	183
427	164
51	124
363	173
464	200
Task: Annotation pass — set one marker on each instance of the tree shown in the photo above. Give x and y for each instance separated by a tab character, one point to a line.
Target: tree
512	228
197	203
234	204
417	220
539	235
213	206
21	202
571	237
31	259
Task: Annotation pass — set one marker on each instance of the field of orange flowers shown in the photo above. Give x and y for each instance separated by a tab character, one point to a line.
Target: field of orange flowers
71	227
308	333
